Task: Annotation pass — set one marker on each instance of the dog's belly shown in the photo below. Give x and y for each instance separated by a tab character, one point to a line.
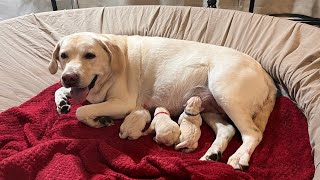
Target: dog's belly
173	90
174	109
173	102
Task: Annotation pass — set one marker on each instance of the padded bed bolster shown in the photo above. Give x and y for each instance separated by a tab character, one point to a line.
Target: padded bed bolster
288	51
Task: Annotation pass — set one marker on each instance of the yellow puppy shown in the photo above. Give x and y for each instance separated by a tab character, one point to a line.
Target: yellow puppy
133	124
167	131
190	122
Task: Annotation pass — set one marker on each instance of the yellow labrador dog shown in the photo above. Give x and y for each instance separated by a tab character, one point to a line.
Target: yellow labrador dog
121	75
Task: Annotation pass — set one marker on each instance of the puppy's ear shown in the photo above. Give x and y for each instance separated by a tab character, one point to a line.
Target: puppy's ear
53	65
115	53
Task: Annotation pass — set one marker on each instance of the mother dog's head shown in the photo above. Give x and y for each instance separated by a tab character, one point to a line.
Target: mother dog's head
87	59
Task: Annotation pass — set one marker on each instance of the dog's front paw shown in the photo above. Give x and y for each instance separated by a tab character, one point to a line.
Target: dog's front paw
105	120
61	100
64	106
93	123
84	114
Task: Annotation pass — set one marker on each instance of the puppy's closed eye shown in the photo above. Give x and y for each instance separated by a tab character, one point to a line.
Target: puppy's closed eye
89	55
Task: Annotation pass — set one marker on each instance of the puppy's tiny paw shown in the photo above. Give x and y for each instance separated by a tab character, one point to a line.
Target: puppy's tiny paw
145	134
133	137
123	135
63	106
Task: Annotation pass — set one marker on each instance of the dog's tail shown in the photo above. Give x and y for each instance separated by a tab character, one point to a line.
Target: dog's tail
123	135
262	116
184	144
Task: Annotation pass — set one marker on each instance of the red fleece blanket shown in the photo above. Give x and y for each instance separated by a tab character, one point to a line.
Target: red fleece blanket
37	143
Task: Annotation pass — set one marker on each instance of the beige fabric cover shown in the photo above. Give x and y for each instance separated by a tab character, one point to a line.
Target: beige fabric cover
289	51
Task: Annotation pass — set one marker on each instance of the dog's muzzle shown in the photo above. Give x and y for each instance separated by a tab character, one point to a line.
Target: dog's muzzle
79	95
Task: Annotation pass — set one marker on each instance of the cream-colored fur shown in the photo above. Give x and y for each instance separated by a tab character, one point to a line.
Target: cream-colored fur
134	123
134	72
190	125
167	131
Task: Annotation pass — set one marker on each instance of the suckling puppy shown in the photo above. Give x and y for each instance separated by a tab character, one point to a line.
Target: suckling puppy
190	122
134	123
167	131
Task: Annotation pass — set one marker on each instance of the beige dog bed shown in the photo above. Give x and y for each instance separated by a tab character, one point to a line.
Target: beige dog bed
288	51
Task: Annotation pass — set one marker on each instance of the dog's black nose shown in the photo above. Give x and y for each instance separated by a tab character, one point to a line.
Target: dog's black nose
70	80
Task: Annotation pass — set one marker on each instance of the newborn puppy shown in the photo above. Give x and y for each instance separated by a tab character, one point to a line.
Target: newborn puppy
134	123
190	122
167	131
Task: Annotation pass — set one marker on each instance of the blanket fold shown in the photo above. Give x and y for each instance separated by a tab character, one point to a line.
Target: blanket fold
38	143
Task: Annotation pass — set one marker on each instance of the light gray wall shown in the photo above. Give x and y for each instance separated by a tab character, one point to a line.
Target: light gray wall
13	8
305	7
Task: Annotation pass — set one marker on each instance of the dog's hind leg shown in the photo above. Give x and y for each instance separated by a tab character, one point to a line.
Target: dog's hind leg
261	117
224	133
251	127
251	137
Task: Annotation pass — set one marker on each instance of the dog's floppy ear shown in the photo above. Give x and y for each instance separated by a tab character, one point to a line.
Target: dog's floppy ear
53	65
116	55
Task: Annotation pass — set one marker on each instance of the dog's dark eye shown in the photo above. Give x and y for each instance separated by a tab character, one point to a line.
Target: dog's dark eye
89	56
64	55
